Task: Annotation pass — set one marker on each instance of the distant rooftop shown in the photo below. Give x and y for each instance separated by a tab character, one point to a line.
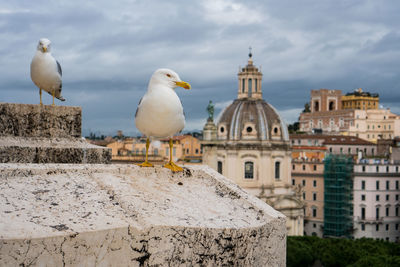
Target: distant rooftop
359	92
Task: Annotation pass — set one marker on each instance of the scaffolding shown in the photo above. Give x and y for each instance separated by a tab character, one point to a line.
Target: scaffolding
338	196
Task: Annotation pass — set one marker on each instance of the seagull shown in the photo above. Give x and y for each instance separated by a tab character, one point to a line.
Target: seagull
46	71
160	112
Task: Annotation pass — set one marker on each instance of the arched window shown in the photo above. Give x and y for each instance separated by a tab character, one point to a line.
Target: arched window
250	87
331	105
316	105
219	167
155	151
248	170
255	85
277	170
243	85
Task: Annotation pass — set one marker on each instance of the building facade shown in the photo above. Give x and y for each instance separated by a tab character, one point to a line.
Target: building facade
377	200
251	147
356	115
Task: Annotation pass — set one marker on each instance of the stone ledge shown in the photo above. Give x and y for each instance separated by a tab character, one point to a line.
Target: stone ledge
124	215
27	120
51	150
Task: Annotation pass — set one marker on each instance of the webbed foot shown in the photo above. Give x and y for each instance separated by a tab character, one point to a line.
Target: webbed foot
173	167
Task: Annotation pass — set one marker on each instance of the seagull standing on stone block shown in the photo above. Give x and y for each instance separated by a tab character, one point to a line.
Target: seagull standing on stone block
160	112
46	71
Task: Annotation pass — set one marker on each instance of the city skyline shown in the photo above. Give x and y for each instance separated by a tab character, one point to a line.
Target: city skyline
108	52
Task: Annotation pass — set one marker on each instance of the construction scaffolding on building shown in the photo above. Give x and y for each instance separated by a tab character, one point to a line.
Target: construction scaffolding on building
338	196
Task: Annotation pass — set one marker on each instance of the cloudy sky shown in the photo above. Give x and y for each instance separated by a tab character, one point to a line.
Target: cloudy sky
109	49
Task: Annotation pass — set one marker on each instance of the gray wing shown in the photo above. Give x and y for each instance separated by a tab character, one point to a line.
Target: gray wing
59	68
140	101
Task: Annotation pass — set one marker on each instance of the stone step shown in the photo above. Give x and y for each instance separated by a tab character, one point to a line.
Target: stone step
27	120
51	150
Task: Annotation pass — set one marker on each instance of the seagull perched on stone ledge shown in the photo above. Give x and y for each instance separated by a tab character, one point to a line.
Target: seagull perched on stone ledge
46	71
160	112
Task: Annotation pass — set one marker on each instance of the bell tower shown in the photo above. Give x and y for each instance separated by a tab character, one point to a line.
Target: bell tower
249	79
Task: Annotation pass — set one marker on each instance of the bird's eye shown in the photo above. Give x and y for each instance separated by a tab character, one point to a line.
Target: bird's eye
168	75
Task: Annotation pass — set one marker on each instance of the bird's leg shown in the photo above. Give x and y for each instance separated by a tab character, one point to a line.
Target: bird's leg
146	163
170	165
54	92
40	93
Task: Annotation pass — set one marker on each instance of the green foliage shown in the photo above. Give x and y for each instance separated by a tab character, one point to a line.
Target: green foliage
332	252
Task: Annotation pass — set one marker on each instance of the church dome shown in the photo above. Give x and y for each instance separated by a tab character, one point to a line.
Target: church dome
249	117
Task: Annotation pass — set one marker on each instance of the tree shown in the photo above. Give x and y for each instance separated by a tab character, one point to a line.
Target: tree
306	107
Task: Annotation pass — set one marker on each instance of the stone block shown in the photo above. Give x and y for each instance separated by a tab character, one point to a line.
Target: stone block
124	215
27	120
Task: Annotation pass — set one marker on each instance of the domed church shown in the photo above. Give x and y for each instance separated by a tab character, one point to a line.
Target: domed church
250	145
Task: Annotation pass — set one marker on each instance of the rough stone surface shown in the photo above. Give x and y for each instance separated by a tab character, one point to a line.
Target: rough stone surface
123	215
27	120
45	134
51	150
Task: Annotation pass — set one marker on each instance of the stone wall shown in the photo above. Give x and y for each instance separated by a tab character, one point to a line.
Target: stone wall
124	215
45	134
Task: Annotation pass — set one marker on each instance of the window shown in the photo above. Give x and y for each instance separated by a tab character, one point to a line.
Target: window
377	214
197	151
243	85
304	195
304	182
363	185
275	130
372	151
222	129
294	167
362	197
315	183
377	227
387	211
293	181
187	150
377	197
304	167
315	167
248	170
167	151
397	185
387	185
341	150
377	168
219	167
363	168
277	170
362	227
314	196
377	185
397	211
174	151
387	197
362	213
387	227
387	168
155	151
397	197
330	150
314	212
397	168
349	150
249	129
314	225
397	226
250	87
255	85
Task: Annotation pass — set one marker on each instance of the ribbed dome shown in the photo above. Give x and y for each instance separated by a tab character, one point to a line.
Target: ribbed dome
251	119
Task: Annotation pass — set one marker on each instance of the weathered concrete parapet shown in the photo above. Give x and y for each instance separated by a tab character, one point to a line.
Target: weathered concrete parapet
45	134
123	215
27	120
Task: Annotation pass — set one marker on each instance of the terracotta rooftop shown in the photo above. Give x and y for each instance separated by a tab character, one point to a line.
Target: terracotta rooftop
333	139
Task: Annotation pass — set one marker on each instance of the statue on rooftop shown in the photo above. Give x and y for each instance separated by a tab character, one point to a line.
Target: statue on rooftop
210	110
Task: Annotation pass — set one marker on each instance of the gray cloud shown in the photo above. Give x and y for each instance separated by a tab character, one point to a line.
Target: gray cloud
108	51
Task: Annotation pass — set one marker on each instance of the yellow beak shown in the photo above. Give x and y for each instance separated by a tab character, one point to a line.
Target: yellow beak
44	49
183	84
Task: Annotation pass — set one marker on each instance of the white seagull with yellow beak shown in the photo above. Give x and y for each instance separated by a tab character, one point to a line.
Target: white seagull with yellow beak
160	112
46	71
